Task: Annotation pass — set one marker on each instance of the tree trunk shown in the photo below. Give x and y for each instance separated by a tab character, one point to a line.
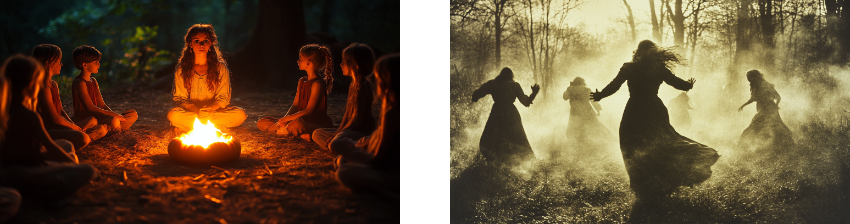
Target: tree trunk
534	66
500	7
767	29
631	21
838	20
656	31
269	58
678	25
695	30
742	45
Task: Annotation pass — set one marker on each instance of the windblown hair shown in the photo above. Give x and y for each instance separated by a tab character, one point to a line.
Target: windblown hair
506	74
387	78
84	54
649	53
757	80
23	75
578	81
214	58
46	54
321	57
361	57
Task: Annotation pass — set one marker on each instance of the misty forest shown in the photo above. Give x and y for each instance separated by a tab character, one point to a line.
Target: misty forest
759	97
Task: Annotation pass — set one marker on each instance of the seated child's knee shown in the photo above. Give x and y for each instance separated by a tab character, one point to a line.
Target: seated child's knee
65	145
114	123
338	147
85	139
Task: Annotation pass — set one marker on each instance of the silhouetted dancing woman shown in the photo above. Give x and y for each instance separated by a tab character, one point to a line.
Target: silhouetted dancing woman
584	129
504	140
767	131
657	158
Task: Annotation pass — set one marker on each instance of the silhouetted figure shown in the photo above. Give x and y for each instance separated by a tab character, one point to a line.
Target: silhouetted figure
767	131
504	140
587	134
680	116
658	159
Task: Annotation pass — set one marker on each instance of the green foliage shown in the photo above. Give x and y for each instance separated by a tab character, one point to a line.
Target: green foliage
136	37
140	56
64	83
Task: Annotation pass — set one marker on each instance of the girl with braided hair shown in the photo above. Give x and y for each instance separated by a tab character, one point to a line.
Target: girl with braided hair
309	111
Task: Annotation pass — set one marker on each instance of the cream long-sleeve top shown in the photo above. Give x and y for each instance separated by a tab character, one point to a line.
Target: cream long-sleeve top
198	93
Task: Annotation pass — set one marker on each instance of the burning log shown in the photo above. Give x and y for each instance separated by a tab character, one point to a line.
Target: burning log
204	145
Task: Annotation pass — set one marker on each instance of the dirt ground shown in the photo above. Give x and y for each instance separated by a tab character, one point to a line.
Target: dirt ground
276	179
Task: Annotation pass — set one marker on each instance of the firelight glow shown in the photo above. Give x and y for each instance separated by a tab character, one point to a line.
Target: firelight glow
203	135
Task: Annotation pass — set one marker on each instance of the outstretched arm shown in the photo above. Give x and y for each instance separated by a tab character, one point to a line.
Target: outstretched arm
612	87
526	100
482	91
747	103
675	81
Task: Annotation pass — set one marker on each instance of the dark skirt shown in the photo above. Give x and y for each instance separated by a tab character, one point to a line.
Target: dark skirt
659	159
504	140
767	133
587	135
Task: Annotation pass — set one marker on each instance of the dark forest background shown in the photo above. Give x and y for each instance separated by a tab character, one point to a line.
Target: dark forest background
141	39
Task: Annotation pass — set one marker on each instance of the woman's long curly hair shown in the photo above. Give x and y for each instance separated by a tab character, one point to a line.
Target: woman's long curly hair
650	54
321	57
757	80
214	58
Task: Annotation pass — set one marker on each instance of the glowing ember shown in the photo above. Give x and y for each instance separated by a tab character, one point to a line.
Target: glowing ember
203	135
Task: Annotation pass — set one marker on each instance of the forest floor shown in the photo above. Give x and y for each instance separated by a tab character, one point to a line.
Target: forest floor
807	184
276	179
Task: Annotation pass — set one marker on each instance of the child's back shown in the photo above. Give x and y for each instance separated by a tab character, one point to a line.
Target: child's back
21	147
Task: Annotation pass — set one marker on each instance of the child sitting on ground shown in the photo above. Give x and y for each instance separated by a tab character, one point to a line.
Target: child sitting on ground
26	136
88	102
309	111
44	183
58	124
372	164
357	62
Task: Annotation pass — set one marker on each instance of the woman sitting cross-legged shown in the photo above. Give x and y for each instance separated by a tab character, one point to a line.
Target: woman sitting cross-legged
202	84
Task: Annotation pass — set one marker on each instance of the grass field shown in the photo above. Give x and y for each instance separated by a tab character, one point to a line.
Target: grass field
807	184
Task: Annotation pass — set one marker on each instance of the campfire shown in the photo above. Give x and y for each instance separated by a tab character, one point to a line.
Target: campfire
204	145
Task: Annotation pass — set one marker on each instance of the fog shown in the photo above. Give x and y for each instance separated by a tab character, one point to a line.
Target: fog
813	105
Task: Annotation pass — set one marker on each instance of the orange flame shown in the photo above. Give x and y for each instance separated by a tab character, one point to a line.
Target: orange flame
203	135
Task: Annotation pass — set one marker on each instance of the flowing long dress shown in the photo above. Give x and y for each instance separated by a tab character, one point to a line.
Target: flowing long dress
767	131
587	134
504	139
658	159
